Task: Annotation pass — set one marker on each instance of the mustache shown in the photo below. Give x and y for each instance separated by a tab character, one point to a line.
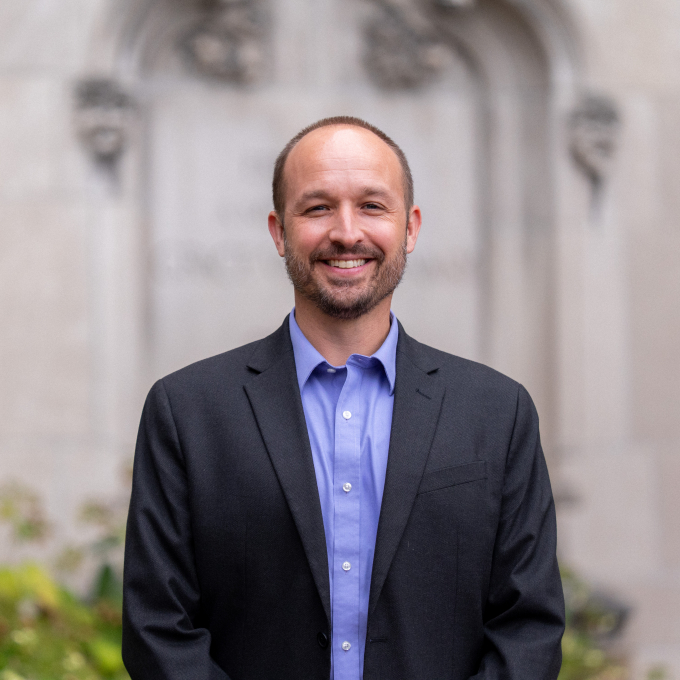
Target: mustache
336	250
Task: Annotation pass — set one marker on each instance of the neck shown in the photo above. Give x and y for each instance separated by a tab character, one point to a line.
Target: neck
337	339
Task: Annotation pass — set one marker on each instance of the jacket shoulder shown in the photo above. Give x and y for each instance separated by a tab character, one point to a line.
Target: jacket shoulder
227	363
465	374
231	367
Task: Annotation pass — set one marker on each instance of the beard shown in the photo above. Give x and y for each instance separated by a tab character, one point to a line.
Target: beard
346	299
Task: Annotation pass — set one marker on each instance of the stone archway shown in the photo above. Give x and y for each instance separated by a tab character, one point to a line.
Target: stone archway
529	275
475	91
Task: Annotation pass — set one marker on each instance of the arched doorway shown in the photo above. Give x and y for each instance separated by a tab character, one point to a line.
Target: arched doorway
469	89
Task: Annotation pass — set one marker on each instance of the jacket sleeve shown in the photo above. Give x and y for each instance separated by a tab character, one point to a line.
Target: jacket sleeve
524	614
161	593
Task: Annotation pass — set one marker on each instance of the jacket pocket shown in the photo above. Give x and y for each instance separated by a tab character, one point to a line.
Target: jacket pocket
451	476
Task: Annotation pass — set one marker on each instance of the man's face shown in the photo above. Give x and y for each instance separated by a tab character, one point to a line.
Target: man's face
345	232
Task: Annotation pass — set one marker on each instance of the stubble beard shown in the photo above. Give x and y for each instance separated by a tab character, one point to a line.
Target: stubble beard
343	301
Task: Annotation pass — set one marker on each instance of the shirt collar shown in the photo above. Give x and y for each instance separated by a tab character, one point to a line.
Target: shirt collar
307	358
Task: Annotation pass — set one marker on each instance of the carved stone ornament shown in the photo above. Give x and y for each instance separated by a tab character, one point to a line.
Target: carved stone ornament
404	47
228	43
594	128
102	116
454	4
402	52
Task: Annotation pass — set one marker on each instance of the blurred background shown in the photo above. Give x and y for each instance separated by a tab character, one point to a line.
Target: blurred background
137	140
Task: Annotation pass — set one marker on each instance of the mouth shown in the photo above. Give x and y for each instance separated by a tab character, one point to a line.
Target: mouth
346	264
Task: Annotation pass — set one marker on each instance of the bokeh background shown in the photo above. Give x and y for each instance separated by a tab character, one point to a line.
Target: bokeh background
137	139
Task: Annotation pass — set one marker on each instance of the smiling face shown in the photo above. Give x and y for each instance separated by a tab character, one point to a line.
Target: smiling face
345	231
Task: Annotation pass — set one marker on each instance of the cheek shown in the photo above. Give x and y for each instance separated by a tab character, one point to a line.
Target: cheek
304	241
390	238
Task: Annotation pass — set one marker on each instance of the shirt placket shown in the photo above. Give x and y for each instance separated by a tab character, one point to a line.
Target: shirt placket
347	527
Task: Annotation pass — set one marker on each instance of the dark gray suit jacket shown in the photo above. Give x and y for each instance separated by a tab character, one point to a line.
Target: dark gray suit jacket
226	573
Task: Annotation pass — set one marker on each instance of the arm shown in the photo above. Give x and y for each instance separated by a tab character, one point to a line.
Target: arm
524	615
161	592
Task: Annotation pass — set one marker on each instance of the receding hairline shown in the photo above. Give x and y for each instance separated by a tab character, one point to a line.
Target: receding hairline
348	126
349	122
339	126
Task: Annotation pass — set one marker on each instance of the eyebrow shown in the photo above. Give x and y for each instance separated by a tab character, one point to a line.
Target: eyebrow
321	193
310	195
375	191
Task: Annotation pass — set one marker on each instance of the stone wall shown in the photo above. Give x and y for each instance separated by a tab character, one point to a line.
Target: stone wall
136	145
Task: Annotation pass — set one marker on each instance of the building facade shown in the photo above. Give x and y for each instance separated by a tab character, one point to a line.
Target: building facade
136	149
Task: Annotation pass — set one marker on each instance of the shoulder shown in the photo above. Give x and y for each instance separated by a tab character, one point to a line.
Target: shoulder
218	367
471	382
232	368
479	403
453	367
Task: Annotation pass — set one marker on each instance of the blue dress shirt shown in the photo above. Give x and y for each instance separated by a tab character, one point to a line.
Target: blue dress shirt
348	410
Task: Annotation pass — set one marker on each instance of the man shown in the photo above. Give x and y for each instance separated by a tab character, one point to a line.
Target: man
338	500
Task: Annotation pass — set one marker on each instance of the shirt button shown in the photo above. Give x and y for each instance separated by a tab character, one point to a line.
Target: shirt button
330	370
346	415
346	487
346	646
346	566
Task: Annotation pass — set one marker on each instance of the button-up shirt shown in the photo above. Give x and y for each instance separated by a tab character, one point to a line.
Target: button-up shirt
348	410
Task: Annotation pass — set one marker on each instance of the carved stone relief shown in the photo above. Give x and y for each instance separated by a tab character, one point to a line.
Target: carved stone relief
103	116
594	128
453	4
228	42
404	48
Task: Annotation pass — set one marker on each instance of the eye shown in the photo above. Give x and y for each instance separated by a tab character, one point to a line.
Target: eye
317	208
372	206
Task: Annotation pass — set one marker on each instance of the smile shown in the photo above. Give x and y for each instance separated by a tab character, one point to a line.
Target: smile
346	264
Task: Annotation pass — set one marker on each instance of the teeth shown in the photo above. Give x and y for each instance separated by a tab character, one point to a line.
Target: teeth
346	264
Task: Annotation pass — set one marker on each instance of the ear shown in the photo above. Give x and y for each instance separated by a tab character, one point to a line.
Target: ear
276	230
415	220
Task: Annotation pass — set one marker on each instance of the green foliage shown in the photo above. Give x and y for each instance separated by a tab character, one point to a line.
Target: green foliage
22	510
108	519
590	622
48	634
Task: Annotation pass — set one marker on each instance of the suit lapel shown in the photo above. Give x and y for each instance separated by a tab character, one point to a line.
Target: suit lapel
418	397
275	399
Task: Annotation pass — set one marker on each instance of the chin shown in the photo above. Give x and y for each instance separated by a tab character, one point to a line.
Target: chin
345	307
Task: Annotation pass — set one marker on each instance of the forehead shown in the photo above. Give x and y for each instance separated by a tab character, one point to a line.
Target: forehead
342	153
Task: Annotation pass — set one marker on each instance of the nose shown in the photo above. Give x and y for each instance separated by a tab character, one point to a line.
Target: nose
345	228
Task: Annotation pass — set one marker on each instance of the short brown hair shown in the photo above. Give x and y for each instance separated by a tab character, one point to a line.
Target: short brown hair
278	184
